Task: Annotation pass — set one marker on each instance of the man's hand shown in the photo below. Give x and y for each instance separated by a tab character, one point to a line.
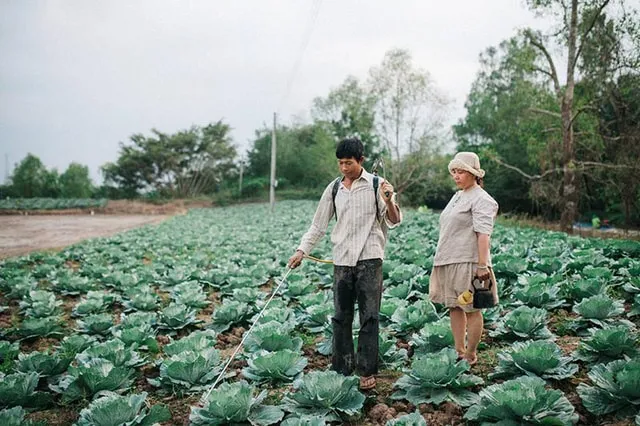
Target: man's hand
386	188
296	259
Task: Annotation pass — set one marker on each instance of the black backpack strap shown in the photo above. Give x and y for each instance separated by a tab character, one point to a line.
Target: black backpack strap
334	192
376	182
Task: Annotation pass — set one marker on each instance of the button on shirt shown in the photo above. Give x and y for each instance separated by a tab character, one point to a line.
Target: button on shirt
358	235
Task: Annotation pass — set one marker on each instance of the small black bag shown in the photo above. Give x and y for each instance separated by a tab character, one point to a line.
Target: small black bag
482	294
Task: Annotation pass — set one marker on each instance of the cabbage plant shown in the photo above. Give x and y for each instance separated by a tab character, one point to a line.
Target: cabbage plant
115	410
577	289
41	327
599	310
411	318
325	394
273	367
297	289
8	351
96	324
402	291
635	307
522	401
316	317
94	303
413	419
197	341
43	363
188	372
272	336
388	306
607	344
436	378
235	404
433	337
19	389
92	376
73	285
542	294
40	304
615	389
74	344
176	317
302	420
190	294
142	336
316	298
141	298
230	313
523	323
15	417
115	351
539	358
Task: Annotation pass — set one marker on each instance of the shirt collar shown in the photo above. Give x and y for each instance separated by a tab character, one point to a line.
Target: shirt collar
364	175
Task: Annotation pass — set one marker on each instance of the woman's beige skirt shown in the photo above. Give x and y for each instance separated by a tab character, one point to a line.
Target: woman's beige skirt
447	282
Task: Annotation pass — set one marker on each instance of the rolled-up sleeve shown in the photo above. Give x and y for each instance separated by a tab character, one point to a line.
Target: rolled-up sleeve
390	224
483	213
320	222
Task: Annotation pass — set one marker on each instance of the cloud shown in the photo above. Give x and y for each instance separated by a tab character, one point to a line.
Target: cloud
80	76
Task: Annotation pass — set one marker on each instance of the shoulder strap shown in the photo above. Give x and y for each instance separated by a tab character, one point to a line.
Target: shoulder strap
334	192
376	181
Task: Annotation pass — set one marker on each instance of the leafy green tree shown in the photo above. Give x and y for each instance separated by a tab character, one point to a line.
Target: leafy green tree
576	21
305	156
499	124
29	177
410	114
75	182
183	164
349	111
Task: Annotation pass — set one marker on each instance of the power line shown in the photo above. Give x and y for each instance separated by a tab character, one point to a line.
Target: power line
315	11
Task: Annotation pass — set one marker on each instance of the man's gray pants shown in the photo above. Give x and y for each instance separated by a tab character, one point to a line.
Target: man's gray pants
361	283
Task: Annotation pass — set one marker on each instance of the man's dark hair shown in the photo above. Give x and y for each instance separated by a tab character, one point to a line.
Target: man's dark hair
350	148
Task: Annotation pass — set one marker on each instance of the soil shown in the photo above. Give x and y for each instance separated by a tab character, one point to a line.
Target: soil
23	234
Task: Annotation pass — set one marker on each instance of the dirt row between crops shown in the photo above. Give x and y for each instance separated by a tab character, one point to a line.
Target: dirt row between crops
20	235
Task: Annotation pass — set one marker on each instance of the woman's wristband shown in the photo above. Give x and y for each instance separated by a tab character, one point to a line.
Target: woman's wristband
482	267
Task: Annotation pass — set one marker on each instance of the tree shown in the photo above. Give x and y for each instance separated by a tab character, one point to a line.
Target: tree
578	19
30	177
75	182
499	125
187	163
349	111
410	115
305	155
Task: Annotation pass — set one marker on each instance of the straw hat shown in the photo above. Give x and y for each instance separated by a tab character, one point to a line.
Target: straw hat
468	161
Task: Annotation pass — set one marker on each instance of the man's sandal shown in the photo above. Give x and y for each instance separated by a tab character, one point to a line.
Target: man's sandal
367	382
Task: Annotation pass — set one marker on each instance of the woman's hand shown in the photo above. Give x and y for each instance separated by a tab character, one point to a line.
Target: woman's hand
482	272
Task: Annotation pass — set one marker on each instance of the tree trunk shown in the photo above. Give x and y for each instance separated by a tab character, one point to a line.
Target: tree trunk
570	189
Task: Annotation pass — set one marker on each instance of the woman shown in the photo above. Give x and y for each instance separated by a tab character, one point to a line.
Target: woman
466	224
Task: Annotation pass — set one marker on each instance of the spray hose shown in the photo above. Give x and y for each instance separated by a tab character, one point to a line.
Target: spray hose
204	398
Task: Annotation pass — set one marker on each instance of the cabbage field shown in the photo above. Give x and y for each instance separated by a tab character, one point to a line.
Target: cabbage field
51	203
134	329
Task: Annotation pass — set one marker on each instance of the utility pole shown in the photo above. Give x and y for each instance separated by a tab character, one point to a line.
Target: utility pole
6	168
241	171
272	188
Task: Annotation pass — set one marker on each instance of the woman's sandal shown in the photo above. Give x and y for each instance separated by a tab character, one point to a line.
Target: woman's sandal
367	382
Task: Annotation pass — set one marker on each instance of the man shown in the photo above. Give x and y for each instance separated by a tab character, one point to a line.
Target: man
358	238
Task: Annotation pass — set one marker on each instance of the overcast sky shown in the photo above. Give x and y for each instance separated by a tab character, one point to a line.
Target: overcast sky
79	76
